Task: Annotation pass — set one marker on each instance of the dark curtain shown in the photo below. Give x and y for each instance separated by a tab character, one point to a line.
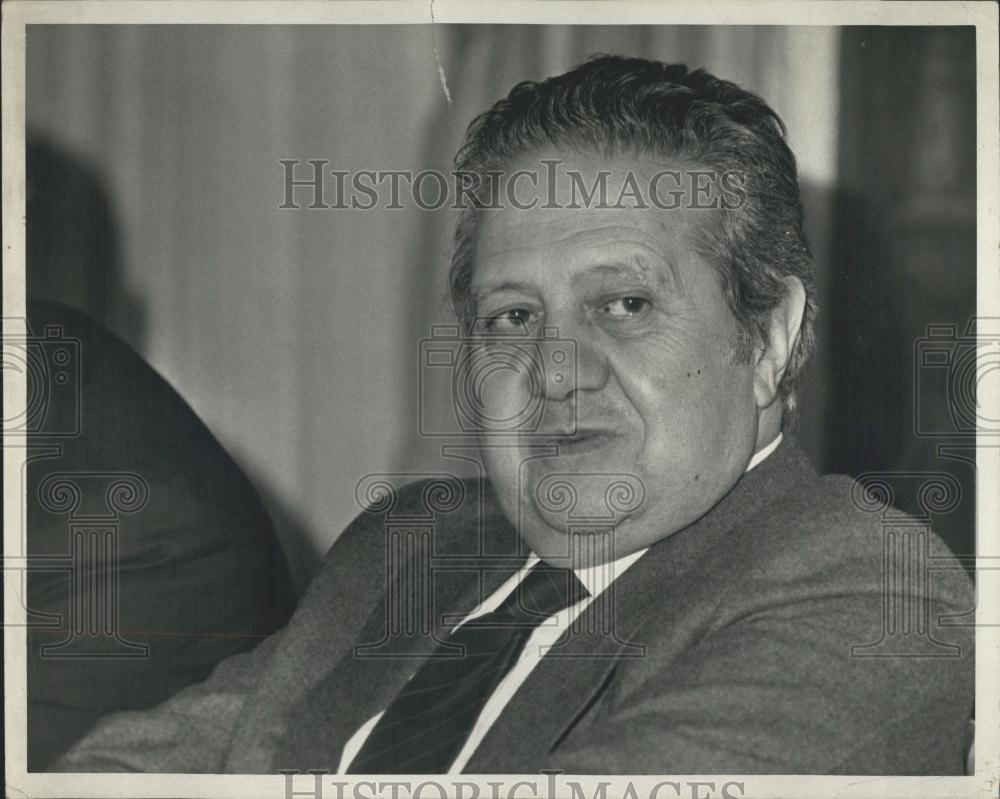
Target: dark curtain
903	284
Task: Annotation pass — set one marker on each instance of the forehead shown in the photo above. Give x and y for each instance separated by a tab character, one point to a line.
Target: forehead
571	236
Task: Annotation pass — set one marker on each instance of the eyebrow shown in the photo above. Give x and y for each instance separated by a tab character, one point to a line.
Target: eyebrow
507	285
633	268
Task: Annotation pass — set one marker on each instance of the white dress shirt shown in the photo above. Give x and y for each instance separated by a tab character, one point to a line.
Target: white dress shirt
596	579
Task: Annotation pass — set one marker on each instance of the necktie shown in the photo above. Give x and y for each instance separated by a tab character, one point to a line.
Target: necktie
423	729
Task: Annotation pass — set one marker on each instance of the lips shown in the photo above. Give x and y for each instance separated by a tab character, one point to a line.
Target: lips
583	440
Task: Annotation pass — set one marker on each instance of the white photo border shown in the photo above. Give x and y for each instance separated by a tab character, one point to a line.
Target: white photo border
18	14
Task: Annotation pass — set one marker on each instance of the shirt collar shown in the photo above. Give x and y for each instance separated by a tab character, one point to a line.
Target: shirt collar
597	578
762	453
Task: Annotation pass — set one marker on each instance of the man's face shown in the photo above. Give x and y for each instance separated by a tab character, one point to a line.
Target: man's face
657	399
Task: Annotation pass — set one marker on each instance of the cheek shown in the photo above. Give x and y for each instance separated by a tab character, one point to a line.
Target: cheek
694	412
501	391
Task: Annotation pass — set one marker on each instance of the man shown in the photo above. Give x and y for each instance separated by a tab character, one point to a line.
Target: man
651	579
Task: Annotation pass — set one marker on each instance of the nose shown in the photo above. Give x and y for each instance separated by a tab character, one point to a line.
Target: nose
574	361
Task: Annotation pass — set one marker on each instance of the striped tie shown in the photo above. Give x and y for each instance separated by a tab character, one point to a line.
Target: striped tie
425	726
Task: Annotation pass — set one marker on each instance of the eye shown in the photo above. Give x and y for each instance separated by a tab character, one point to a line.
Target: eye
510	320
625	307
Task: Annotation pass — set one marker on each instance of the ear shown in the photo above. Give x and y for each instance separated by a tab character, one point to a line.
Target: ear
783	333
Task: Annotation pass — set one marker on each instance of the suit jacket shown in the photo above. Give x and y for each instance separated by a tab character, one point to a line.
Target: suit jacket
760	639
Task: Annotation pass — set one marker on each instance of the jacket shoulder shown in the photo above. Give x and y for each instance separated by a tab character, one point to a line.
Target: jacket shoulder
837	524
450	508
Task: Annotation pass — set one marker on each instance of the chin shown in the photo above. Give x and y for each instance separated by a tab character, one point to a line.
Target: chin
596	491
586	545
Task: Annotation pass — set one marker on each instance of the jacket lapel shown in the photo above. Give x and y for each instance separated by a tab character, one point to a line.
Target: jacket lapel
571	676
408	613
370	676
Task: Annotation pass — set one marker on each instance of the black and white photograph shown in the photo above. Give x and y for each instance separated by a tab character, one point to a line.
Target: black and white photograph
501	400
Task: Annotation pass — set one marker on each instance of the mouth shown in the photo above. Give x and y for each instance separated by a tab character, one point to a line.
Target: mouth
583	440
